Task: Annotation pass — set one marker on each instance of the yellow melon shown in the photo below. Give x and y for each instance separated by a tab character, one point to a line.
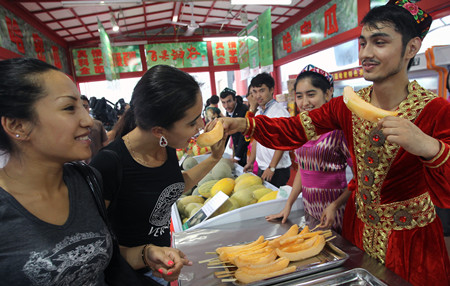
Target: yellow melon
225	185
247	182
269	196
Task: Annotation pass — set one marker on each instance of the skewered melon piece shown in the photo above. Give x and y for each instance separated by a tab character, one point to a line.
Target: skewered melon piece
362	108
315	249
230	256
211	137
293	230
223	249
273	266
300	246
265	257
244	277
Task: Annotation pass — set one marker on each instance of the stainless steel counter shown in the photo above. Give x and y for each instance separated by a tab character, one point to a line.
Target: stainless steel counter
194	243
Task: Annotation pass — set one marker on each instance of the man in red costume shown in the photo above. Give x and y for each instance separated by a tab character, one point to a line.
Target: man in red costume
402	163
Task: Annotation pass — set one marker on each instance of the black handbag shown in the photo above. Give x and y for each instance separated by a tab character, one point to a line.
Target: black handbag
118	272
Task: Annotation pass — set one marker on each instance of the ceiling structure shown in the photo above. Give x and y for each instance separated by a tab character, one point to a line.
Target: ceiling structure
151	21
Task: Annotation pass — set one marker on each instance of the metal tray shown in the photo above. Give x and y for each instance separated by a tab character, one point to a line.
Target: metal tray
354	277
330	257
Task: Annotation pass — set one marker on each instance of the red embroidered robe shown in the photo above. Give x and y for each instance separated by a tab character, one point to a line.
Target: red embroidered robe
391	214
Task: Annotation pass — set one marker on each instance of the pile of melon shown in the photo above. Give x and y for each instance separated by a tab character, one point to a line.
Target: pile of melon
262	259
244	190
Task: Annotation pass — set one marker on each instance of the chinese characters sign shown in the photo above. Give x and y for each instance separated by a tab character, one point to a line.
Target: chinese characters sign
179	55
225	53
90	61
348	74
328	21
21	38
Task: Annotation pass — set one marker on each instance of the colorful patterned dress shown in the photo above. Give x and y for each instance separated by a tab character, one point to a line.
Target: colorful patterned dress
322	165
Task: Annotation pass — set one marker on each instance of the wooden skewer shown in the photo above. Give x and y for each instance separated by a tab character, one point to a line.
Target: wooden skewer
217	262
222	266
225	275
331	238
208	260
210	252
314	228
223	272
229	280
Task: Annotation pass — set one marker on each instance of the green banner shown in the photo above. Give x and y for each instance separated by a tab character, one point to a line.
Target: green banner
330	20
253	49
19	37
265	41
108	66
243	50
224	53
179	55
89	61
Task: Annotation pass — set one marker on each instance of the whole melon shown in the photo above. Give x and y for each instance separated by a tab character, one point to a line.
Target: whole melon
268	197
189	163
247	182
225	185
205	188
260	192
243	198
221	170
205	179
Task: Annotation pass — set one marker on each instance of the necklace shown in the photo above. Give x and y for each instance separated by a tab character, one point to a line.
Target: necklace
133	154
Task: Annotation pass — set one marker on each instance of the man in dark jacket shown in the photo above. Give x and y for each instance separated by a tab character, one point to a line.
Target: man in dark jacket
235	108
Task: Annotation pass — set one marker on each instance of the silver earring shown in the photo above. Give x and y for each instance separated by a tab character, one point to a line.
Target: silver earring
162	141
17	135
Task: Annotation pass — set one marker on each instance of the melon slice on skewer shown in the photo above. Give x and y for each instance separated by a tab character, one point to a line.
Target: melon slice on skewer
362	108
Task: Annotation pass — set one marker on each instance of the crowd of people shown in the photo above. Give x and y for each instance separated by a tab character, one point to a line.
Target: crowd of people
52	229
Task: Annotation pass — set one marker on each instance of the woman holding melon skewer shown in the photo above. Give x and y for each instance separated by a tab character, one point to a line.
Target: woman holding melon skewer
401	163
142	177
321	161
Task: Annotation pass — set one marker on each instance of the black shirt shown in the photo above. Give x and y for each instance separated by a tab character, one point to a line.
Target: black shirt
142	211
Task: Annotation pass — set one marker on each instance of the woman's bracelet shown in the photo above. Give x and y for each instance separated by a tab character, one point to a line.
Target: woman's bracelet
143	256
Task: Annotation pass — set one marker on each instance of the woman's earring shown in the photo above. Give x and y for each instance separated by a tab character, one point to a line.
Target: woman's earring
162	141
17	135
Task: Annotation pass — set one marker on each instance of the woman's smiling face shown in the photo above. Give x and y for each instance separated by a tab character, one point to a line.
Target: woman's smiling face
309	97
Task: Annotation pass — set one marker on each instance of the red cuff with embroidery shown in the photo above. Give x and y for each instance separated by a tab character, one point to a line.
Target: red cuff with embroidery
441	157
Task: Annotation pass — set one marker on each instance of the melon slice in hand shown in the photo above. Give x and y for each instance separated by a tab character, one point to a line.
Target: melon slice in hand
211	137
362	108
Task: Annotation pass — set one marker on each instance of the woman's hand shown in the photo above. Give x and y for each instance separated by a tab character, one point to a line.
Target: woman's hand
166	262
283	215
328	216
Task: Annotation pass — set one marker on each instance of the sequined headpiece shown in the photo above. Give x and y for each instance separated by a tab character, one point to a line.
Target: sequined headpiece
320	71
423	20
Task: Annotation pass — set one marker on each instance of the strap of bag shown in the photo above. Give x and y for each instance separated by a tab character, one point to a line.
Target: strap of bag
119	176
94	185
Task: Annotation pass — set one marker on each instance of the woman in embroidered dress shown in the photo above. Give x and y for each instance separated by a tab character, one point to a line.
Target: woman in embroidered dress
322	161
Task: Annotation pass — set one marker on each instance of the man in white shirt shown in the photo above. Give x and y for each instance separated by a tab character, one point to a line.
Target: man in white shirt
273	165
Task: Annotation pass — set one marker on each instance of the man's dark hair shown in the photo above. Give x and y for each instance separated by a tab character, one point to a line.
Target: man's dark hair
214	99
263	78
398	18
